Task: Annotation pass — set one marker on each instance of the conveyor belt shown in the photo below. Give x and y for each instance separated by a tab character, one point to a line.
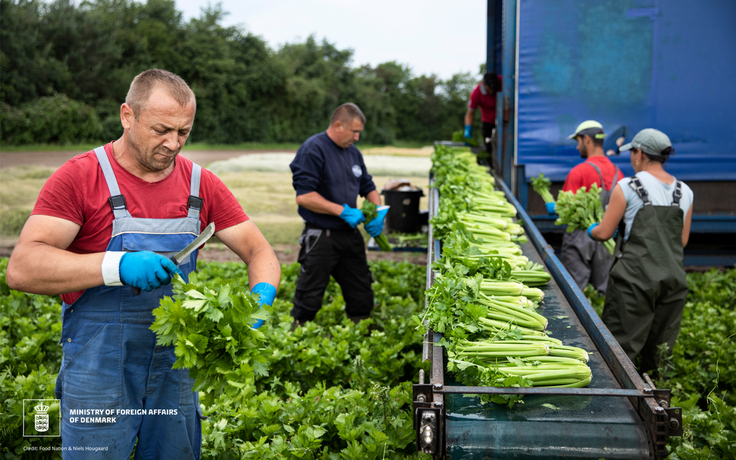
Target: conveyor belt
566	426
608	419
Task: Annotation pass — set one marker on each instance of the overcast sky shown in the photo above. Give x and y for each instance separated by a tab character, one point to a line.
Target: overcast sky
430	36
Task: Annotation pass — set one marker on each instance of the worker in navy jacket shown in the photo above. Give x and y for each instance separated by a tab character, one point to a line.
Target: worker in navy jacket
328	175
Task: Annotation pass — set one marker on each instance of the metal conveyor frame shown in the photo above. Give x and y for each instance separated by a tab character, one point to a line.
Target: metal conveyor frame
652	405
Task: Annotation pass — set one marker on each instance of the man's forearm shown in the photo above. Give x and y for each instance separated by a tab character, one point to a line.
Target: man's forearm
317	203
42	269
374	197
264	267
250	245
40	263
469	115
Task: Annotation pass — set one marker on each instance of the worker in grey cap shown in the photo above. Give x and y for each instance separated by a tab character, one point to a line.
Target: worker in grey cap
647	285
588	261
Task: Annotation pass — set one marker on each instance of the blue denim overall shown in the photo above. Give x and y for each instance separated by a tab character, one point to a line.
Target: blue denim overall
112	368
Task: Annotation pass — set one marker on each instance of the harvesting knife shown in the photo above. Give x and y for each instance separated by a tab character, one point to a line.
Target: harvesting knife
184	253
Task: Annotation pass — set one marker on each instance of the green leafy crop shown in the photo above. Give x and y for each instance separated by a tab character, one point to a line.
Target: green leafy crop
482	298
212	333
579	210
541	185
370	212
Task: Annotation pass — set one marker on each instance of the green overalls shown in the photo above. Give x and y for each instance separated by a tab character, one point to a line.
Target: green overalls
647	285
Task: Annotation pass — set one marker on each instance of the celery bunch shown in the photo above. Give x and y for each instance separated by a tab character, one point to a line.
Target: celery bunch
370	212
541	185
581	209
483	299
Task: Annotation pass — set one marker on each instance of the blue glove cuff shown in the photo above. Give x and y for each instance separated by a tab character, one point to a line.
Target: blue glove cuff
468	131
550	208
352	216
266	291
375	227
590	229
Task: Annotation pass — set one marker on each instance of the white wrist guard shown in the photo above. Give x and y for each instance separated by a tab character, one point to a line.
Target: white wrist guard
111	268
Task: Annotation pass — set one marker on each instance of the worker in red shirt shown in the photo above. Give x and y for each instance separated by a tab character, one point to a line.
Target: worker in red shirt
484	96
105	223
587	260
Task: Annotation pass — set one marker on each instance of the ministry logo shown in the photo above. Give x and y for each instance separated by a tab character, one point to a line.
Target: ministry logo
41	418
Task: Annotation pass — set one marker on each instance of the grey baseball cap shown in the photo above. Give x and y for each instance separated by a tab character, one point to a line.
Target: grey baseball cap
651	141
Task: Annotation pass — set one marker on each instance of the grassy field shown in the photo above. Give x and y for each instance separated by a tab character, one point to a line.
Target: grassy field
18	194
267	197
199	146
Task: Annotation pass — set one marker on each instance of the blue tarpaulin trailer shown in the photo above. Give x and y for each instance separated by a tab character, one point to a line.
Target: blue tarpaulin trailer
630	65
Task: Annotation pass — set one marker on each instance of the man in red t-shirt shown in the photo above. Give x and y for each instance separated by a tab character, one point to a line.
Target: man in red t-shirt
484	96
587	260
106	223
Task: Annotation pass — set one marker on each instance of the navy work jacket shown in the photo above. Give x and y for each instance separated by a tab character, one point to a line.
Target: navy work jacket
338	174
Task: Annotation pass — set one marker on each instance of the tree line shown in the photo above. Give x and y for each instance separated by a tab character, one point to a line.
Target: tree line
65	69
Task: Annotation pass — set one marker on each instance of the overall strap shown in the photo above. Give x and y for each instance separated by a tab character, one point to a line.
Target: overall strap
677	193
600	176
195	202
615	177
640	190
116	200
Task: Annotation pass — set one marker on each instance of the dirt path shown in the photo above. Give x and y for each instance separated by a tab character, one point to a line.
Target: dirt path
54	159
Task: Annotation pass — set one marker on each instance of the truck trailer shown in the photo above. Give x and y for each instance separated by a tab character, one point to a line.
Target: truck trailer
629	65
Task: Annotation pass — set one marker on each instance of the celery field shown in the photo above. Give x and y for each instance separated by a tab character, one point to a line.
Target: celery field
334	390
330	389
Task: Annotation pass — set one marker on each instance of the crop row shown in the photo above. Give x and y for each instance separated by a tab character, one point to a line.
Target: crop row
331	389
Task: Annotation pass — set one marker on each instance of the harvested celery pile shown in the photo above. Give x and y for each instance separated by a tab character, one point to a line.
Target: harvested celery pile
485	296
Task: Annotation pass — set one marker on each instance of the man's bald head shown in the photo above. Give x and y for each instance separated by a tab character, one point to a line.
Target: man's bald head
145	82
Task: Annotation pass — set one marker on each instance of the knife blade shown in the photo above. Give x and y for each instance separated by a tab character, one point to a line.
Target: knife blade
198	241
184	253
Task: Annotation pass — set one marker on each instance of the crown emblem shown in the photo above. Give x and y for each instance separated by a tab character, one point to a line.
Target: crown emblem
41	408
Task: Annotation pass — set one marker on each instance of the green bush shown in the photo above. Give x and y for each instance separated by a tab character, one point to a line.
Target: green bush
13	220
54	119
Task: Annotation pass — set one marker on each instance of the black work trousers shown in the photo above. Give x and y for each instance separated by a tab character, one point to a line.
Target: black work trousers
491	155
340	253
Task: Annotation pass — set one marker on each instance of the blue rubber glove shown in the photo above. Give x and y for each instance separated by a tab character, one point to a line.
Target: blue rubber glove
375	227
468	132
615	233
550	208
267	293
146	270
590	229
352	216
